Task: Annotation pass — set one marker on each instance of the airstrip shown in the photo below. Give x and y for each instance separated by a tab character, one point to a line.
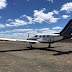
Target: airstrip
17	57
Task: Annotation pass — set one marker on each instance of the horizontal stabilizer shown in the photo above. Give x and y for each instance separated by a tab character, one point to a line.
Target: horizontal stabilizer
56	33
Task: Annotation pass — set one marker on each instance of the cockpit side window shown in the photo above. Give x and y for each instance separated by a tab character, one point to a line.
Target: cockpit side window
36	36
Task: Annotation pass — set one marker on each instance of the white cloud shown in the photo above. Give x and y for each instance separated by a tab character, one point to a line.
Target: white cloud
43	29
54	20
3	4
9	20
65	16
21	30
24	30
57	27
14	36
50	0
46	31
40	16
0	16
17	22
23	33
22	16
49	32
16	30
2	26
30	19
56	12
67	7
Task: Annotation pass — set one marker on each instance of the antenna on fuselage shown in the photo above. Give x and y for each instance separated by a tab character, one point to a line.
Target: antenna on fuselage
28	35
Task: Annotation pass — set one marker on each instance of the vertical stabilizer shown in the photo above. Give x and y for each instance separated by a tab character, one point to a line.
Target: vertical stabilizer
67	30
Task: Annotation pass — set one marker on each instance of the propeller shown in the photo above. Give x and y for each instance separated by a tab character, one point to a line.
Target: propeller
28	35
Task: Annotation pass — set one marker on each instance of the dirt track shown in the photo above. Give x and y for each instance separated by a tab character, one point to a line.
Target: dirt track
15	57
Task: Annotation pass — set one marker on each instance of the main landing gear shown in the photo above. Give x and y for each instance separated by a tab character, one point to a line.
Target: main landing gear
49	45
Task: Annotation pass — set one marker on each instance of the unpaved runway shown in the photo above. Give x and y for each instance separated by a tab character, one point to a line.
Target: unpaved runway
15	57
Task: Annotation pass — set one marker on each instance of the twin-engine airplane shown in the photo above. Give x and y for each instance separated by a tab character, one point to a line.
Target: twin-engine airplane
64	34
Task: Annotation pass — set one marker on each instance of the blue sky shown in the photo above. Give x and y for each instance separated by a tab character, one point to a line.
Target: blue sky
20	17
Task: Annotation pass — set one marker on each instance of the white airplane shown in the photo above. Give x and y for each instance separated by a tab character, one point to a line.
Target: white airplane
64	34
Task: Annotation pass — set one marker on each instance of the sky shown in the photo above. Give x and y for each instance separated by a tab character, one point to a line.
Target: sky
18	18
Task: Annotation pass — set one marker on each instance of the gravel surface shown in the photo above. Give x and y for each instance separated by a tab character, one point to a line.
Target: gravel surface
17	57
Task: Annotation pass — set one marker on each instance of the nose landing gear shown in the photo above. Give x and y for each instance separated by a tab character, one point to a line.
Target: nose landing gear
49	45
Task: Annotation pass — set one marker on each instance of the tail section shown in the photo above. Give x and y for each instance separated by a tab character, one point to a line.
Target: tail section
66	32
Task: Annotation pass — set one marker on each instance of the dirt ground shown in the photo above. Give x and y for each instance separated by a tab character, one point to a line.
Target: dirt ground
18	57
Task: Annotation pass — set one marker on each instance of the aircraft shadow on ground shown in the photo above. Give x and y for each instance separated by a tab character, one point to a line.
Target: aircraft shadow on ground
44	48
52	50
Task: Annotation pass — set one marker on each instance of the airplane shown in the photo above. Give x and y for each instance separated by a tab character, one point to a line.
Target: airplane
64	34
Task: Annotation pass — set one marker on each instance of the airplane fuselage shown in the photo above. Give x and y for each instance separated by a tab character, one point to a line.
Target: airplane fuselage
46	38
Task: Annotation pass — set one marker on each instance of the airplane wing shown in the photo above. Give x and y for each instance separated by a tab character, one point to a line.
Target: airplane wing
5	39
30	41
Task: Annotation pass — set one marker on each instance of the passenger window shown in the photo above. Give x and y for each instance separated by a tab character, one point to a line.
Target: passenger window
44	36
40	36
47	35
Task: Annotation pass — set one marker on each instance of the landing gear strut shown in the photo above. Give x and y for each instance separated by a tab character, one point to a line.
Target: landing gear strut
49	45
30	45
